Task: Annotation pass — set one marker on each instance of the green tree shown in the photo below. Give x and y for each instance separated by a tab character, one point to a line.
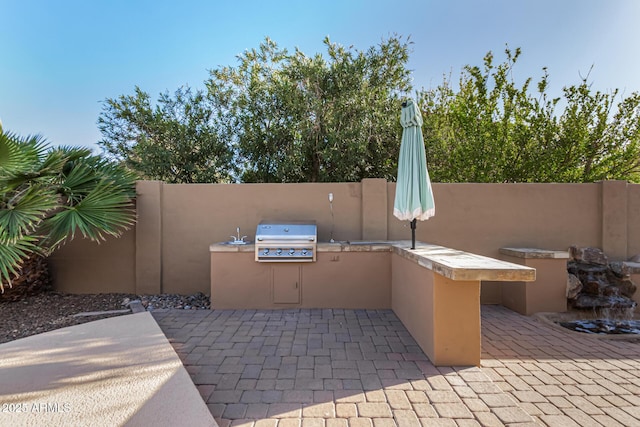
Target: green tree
288	117
256	111
597	139
179	140
48	195
330	117
491	130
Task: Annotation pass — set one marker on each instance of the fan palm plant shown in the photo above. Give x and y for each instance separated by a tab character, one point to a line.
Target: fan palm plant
47	195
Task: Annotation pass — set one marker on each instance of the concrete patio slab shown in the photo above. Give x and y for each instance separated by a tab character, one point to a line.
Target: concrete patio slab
111	372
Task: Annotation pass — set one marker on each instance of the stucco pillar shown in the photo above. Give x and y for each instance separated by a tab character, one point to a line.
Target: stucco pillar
548	293
374	209
442	315
149	237
456	322
614	219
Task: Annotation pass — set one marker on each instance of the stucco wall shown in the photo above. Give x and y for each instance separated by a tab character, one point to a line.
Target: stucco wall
482	218
633	220
82	266
168	250
442	315
412	300
196	215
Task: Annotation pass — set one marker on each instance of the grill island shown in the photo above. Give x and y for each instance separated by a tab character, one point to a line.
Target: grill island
292	241
434	291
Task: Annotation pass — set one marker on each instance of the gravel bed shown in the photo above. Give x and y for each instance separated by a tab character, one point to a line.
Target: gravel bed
53	310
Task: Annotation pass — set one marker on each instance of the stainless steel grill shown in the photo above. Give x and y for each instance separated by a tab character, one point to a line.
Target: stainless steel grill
291	241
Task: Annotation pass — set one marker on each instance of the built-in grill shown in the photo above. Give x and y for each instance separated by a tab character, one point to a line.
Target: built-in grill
291	241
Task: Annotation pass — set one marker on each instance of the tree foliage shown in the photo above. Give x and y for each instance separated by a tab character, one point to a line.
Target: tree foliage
279	116
180	139
47	195
332	117
491	130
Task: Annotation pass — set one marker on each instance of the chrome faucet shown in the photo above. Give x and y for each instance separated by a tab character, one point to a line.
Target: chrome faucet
237	238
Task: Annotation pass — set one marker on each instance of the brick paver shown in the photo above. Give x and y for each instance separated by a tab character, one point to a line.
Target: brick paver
564	378
352	368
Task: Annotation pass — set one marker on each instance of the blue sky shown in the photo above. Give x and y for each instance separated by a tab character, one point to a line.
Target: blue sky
60	59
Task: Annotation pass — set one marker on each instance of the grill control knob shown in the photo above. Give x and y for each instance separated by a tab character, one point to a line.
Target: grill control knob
292	251
279	251
304	252
266	252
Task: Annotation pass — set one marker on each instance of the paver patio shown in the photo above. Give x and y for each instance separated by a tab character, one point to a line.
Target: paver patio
559	377
339	368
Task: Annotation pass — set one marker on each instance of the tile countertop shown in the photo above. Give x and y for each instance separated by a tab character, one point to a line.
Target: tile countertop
459	265
343	246
451	263
534	253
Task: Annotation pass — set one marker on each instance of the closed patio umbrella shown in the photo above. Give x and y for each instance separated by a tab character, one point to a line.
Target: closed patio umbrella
414	197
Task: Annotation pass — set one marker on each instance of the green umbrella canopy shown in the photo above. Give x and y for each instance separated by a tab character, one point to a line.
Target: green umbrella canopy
414	197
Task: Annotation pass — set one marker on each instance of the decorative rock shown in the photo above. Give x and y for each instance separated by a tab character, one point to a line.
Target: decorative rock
593	286
588	255
604	326
574	286
197	301
611	291
603	284
586	271
619	269
625	286
584	301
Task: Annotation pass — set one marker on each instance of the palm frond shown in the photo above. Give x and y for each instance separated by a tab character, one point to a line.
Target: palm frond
73	157
24	209
12	156
78	183
119	178
53	163
34	149
12	253
47	195
21	160
73	154
103	212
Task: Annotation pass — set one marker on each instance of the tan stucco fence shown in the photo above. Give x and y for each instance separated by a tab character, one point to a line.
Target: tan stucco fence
168	250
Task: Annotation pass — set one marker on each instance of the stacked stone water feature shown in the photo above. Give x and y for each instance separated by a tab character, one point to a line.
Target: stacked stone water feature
597	284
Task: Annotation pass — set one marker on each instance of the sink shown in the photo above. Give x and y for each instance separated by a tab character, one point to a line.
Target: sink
236	243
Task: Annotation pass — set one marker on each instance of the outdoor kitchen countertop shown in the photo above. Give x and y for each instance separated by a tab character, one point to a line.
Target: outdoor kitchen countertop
228	247
342	246
459	265
534	253
451	263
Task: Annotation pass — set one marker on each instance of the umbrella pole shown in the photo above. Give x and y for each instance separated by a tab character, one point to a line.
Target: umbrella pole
413	234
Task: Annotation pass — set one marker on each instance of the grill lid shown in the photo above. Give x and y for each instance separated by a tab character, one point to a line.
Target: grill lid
286	230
